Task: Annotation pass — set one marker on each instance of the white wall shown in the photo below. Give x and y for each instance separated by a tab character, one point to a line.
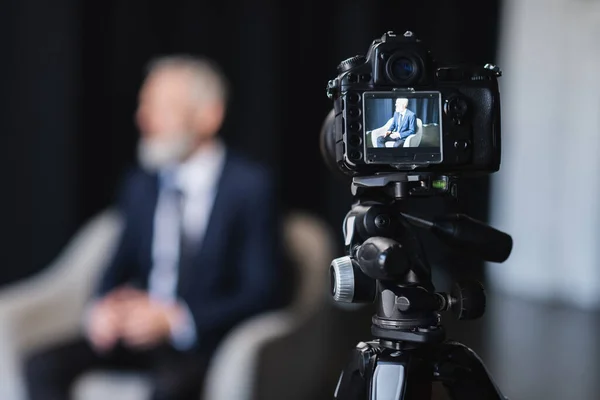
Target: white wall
547	193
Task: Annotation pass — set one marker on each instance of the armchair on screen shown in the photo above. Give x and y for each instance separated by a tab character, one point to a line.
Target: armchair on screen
47	308
412	141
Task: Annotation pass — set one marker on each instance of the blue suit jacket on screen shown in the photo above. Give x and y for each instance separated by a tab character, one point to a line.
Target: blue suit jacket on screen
234	272
407	126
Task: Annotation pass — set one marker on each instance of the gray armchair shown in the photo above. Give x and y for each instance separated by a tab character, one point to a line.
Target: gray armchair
47	308
411	141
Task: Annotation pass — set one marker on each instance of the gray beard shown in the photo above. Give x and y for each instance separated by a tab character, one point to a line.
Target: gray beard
154	155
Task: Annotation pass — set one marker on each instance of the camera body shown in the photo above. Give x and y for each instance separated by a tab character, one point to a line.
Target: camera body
395	109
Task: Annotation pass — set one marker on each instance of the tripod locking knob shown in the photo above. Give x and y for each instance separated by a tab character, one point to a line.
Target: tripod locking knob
468	300
349	284
342	279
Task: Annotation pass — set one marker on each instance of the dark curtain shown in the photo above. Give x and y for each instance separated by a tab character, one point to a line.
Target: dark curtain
378	113
381	110
40	81
428	110
72	69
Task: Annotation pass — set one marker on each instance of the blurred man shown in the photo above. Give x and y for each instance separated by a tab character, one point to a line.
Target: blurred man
198	252
403	125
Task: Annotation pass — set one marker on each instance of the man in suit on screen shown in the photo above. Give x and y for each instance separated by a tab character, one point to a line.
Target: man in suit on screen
404	124
198	252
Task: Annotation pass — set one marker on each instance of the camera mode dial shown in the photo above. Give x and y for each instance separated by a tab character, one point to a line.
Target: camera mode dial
350	63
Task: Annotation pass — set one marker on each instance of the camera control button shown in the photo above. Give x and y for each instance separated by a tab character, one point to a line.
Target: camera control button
355	126
355	140
355	155
352	78
353	97
450	74
354	112
456	107
365	77
461	145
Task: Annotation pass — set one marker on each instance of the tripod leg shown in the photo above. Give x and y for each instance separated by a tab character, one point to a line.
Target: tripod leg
464	375
402	376
384	374
353	383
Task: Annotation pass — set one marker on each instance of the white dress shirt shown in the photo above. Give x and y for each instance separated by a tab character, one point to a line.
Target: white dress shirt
196	179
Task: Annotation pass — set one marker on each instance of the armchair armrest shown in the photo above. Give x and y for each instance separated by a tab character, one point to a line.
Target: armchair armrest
375	133
47	307
50	304
408	140
278	354
232	371
11	385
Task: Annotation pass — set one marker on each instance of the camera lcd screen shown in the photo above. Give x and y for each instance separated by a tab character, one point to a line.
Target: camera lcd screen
402	127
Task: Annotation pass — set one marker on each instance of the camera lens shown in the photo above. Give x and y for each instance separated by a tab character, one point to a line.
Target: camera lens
402	69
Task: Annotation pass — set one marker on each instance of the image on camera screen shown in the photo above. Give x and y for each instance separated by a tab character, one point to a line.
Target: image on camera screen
402	127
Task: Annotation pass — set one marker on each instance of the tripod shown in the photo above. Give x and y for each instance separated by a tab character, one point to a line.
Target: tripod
386	264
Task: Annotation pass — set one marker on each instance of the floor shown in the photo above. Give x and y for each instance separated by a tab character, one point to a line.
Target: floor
536	351
532	351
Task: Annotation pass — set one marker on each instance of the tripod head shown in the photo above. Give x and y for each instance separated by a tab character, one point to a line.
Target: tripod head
386	263
452	130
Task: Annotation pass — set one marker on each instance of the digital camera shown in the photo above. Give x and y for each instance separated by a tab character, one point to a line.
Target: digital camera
397	109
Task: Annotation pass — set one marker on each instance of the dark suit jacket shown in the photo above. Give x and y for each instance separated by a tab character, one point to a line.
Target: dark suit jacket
234	273
408	125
